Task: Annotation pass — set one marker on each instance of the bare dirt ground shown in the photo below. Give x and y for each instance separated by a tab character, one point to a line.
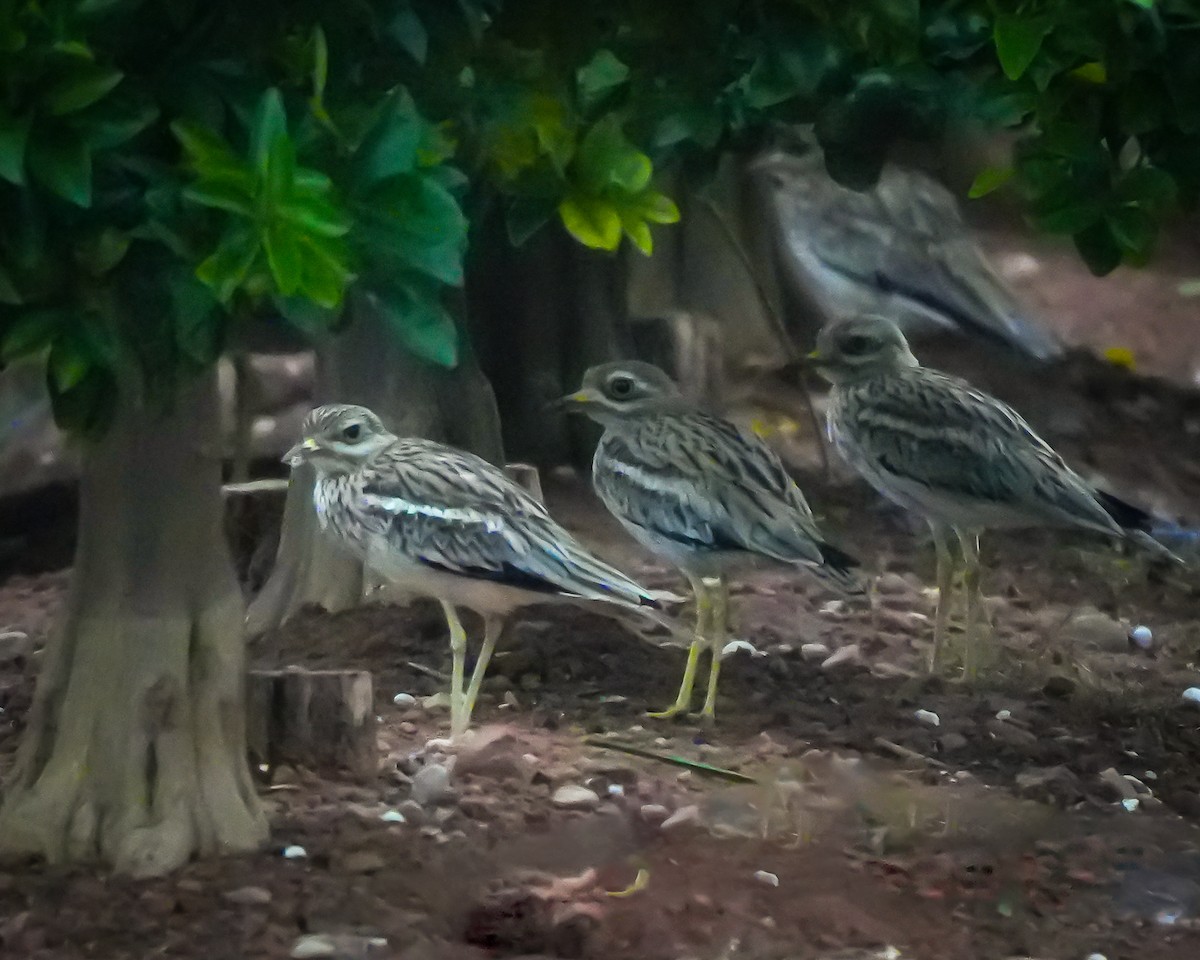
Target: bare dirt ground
1049	813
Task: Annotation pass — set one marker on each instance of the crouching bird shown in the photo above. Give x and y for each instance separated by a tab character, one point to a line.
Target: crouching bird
701	493
449	525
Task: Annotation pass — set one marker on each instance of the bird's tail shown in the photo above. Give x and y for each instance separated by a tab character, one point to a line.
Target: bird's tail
1137	523
840	570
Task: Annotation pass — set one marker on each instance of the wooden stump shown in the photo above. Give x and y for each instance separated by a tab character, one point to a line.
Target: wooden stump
321	719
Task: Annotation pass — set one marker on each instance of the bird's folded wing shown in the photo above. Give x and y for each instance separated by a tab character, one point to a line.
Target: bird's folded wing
459	514
704	484
938	433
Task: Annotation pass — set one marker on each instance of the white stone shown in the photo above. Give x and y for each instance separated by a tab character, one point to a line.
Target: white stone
814	651
1192	694
294	852
928	717
249	896
843	655
688	814
311	945
764	876
571	796
404	700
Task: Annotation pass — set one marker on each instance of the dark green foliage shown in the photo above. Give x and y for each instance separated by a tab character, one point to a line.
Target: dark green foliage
170	170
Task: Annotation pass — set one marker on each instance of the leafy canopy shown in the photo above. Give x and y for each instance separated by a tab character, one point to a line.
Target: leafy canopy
172	170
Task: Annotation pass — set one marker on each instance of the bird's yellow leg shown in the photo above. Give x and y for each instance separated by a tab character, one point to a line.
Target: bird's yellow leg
970	548
717	638
491	633
945	578
458	655
684	699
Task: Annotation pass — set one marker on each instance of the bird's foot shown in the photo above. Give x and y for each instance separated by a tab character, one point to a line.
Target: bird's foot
672	711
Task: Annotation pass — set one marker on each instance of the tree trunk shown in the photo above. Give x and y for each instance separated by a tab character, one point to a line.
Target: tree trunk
135	752
366	365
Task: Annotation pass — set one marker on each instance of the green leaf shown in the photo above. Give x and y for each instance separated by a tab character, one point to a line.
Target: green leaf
8	289
591	221
268	127
1098	249
1093	72
314	215
101	253
408	31
32	332
638	231
1135	232
281	169
525	216
219	195
1070	216
390	147
63	166
89	405
599	77
657	208
14	136
114	122
989	180
320	71
204	148
228	266
284	258
68	364
83	86
304	315
607	158
324	272
197	321
1018	40
1149	187
414	312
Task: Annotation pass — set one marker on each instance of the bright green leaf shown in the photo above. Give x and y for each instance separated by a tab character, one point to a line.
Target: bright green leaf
599	77
64	167
280	170
989	180
221	196
324	271
658	208
14	136
1018	40
82	87
591	221
638	231
607	158
314	215
407	30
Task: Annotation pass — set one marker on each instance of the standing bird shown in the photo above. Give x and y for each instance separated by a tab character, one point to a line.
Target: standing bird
450	525
701	493
962	459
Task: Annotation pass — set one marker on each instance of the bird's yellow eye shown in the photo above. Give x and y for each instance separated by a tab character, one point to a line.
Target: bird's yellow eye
352	432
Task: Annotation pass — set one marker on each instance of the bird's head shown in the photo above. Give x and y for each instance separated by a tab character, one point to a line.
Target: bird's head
339	438
625	388
860	347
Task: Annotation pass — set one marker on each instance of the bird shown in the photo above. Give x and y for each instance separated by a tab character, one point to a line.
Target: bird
445	523
960	458
701	493
899	248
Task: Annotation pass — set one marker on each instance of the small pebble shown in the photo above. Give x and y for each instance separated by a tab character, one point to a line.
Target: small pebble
404	700
833	607
431	784
1004	715
1131	803
654	812
392	816
1192	694
1141	636
294	852
1096	956
688	814
616	790
744	646
249	896
310	946
814	651
763	876
571	796
842	656
928	717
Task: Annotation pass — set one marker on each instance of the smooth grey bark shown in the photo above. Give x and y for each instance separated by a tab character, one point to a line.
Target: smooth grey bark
135	751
